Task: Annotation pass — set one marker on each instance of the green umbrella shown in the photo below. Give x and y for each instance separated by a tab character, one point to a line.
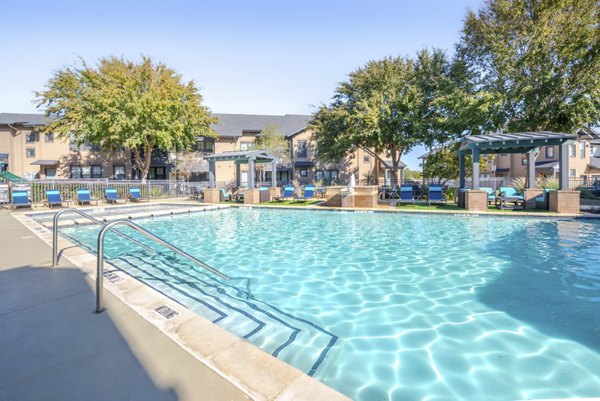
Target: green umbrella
7	175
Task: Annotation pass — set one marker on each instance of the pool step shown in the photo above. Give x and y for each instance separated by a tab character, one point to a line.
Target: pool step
232	306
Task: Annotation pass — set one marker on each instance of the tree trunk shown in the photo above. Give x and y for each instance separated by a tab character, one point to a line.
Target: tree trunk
145	167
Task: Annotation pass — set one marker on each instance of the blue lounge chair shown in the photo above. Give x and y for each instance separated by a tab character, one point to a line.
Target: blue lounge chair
136	196
83	197
225	196
509	194
309	193
112	196
53	198
491	194
288	193
406	194
436	195
19	198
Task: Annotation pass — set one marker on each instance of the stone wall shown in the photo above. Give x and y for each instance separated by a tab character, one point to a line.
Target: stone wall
212	195
564	201
476	200
365	196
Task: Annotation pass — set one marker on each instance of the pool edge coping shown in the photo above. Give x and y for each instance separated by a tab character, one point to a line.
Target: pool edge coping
258	374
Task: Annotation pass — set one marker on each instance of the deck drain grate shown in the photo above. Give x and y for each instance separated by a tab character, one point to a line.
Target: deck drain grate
113	277
166	312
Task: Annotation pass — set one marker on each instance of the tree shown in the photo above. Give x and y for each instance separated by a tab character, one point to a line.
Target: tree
443	164
120	104
273	141
389	106
538	61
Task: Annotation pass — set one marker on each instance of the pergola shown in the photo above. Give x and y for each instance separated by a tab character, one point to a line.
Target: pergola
251	157
522	142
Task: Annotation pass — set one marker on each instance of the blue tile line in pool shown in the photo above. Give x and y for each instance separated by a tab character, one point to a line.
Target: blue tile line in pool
261	324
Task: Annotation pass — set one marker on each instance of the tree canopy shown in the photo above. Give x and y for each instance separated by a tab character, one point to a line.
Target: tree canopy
272	140
537	61
120	104
389	106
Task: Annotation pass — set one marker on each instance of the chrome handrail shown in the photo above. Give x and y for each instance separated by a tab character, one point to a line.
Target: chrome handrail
100	262
91	218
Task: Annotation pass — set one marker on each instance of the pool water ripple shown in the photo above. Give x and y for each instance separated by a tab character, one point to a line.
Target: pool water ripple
394	307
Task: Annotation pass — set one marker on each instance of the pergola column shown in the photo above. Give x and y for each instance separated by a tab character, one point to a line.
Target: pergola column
238	174
251	173
475	152
273	173
563	166
531	169
211	174
462	169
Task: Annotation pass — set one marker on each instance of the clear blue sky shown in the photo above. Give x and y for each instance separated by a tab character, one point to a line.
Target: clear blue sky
253	57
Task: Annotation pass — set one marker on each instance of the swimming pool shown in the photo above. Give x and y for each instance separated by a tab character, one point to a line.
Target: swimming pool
394	307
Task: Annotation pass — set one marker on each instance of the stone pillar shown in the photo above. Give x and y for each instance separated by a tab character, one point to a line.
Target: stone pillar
475	168
529	196
333	196
564	202
250	175
563	165
476	200
212	195
251	196
365	196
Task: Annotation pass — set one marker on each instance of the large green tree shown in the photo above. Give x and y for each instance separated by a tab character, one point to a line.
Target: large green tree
121	104
389	106
537	60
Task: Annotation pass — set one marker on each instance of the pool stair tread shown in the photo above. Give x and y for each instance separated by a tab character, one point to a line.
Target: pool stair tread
276	331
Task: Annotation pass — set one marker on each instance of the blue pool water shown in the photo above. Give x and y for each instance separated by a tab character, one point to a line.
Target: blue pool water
394	307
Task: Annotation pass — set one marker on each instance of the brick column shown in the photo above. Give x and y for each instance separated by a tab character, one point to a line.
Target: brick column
212	195
476	201
365	196
251	196
333	197
529	196
564	201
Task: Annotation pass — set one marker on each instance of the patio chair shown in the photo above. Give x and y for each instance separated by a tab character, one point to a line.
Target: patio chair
225	196
136	196
510	194
406	195
19	198
309	193
436	195
83	197
491	194
112	196
543	201
288	193
53	198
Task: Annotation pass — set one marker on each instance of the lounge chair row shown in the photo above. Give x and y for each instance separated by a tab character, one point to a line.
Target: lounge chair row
289	193
20	198
435	195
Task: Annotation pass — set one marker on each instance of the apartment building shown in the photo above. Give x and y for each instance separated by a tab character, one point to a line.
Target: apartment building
26	152
584	160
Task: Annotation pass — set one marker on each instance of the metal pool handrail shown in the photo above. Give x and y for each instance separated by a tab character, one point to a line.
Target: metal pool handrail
100	261
91	218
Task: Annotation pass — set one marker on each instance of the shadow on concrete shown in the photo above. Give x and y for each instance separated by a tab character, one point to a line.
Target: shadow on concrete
53	347
552	283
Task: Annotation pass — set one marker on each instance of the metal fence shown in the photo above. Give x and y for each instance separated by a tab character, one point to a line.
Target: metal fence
153	189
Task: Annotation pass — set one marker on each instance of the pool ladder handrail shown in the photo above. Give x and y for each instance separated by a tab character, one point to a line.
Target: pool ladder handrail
100	259
89	217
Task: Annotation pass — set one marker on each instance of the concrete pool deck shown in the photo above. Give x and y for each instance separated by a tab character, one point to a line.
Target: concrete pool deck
52	347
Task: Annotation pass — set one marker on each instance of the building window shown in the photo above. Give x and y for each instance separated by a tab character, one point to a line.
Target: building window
572	150
549	152
302	149
366	159
524	161
329	175
31	137
572	172
49	137
582	149
303	172
78	172
50	172
30	152
206	145
246	145
157	173
119	172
